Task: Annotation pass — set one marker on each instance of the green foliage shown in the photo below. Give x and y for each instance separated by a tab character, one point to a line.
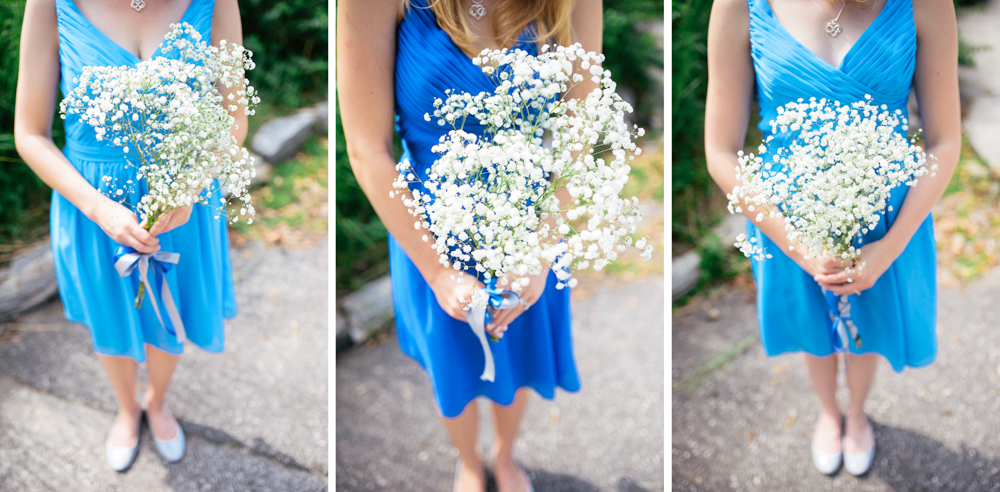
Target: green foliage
289	43
362	241
718	262
23	197
691	183
629	51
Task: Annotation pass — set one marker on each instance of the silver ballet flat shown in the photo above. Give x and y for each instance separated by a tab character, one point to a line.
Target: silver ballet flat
172	450
826	463
860	463
121	458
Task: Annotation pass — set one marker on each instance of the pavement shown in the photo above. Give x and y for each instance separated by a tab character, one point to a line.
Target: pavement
255	415
980	85
606	437
748	424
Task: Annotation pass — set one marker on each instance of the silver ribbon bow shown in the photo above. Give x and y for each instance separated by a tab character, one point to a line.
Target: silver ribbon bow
477	320
128	262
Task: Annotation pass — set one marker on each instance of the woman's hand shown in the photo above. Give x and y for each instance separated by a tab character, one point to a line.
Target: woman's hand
816	267
877	255
172	220
122	226
529	294
447	290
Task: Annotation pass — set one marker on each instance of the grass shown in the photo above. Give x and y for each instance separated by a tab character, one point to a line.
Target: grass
292	207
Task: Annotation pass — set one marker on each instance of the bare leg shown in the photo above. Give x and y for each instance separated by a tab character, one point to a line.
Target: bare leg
823	375
463	431
121	371
860	376
160	366
507	423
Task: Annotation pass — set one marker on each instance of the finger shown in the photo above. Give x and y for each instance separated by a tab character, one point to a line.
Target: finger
135	242
835	278
144	236
504	317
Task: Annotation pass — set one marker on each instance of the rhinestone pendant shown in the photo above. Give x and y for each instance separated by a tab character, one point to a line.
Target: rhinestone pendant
477	11
138	5
833	28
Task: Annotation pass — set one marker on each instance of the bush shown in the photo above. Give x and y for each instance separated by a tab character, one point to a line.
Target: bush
691	183
289	42
23	197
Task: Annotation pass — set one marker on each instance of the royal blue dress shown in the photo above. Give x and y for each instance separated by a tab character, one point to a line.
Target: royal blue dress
92	292
895	318
537	350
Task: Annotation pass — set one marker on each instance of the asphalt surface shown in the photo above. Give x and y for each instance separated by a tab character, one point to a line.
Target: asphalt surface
255	415
606	437
748	424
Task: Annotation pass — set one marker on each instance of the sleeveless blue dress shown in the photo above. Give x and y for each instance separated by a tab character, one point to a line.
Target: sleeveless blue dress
92	292
536	351
896	318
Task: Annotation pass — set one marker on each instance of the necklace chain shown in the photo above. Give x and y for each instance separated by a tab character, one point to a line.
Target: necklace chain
833	27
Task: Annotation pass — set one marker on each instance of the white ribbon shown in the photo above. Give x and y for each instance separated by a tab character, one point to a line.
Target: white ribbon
477	320
129	261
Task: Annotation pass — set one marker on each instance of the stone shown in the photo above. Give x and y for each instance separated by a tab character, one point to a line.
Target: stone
281	138
27	281
684	274
366	309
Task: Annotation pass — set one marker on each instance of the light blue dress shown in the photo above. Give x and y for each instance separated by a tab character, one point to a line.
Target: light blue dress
92	292
896	318
536	351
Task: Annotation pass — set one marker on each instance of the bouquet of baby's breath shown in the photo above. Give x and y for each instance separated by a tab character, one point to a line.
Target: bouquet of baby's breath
489	201
172	123
174	126
832	182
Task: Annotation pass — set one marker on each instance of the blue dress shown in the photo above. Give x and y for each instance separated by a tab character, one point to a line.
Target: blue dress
92	292
536	351
896	318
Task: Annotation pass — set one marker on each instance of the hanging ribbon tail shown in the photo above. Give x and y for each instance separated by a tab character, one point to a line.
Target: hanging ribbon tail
128	259
477	320
843	329
478	317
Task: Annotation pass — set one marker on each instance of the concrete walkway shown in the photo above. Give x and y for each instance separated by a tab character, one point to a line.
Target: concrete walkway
255	415
748	424
606	437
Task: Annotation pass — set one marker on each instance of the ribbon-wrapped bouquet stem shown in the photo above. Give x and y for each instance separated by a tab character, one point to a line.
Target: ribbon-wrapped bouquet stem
173	125
489	202
831	183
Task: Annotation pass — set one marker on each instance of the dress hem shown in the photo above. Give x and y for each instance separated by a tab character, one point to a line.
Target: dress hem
899	370
544	394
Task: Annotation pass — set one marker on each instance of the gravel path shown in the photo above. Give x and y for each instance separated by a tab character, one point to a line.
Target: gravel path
747	425
255	415
606	437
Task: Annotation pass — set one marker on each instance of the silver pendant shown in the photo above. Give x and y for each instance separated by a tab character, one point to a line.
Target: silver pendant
477	11
833	28
138	5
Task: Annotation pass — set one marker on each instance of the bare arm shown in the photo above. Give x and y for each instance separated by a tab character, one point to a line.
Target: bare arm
37	86
936	84
366	51
727	111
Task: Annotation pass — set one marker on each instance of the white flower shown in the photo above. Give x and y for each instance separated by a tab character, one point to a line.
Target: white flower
171	111
832	181
489	199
